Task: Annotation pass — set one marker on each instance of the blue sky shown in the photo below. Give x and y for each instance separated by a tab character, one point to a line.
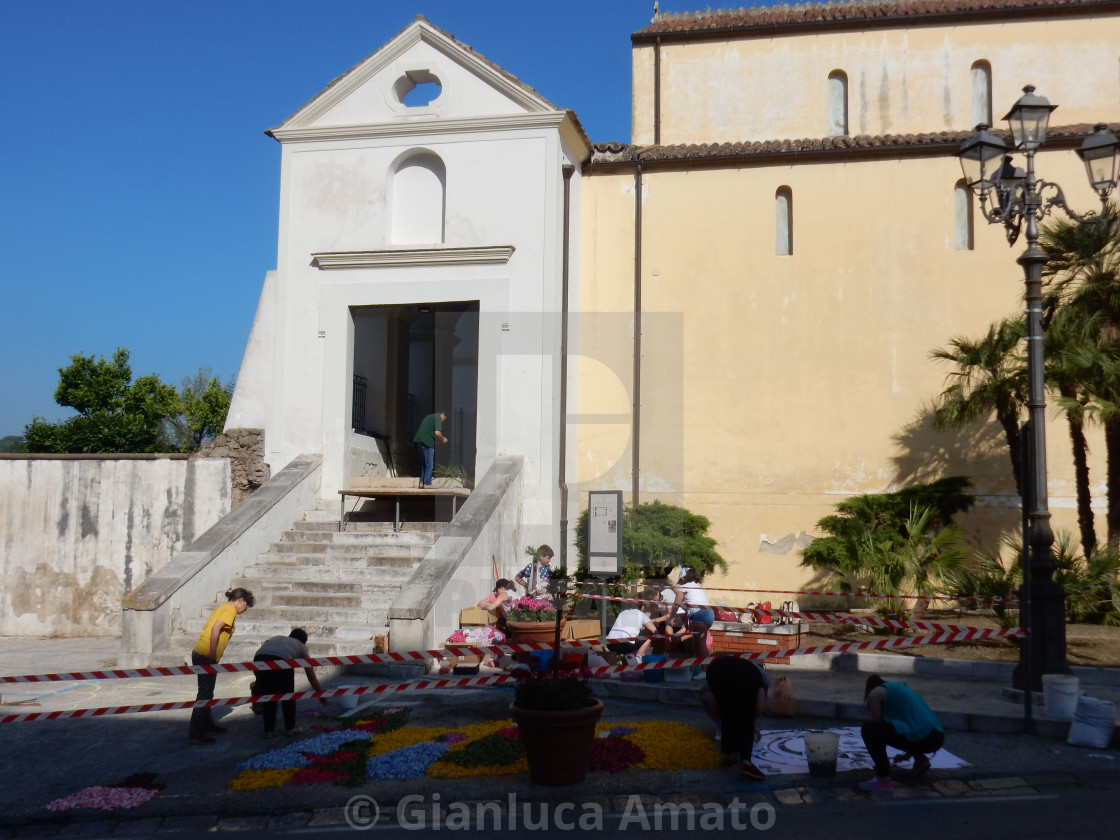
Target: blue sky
138	192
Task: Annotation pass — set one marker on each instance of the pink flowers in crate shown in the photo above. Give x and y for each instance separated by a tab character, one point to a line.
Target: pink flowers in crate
528	608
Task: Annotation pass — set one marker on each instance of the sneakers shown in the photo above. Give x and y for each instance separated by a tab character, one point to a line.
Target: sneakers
719	734
748	772
877	786
698	673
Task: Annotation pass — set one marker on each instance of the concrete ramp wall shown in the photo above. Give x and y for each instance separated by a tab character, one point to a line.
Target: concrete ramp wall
459	569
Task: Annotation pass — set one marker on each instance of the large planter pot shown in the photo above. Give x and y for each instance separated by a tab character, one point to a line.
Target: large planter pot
543	632
557	744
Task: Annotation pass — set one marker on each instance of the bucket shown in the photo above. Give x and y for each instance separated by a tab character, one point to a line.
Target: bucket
1059	695
349	702
820	750
541	659
655	675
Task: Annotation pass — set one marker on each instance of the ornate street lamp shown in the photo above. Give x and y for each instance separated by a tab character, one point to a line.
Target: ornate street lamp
1017	196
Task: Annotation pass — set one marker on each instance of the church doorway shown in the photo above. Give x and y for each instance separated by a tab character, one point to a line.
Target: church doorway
410	361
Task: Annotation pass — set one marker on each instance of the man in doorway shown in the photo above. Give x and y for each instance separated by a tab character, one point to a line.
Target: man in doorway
431	430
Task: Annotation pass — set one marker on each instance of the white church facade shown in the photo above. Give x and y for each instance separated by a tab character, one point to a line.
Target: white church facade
426	225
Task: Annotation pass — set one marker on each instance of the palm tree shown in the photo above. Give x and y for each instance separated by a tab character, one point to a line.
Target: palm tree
989	376
917	566
1083	283
1070	367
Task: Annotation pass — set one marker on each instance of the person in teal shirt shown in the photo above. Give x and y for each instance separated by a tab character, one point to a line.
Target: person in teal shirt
431	429
900	718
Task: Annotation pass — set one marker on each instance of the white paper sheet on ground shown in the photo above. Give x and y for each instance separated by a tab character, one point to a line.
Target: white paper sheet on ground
782	752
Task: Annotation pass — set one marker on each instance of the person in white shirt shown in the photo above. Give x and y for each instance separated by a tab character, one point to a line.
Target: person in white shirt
692	599
630	626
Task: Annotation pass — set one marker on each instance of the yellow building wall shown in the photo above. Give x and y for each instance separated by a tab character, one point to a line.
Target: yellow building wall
773	387
900	80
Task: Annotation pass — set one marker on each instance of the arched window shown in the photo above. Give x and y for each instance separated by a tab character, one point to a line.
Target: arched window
962	217
837	103
783	213
981	80
418	192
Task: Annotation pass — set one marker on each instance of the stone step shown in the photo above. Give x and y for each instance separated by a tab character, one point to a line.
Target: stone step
359	539
337	561
381	549
321	573
270	586
322	520
330	600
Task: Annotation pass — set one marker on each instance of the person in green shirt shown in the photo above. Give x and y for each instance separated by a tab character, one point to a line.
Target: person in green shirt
900	718
431	430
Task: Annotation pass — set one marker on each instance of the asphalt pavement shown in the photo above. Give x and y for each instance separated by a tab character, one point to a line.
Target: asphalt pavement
45	760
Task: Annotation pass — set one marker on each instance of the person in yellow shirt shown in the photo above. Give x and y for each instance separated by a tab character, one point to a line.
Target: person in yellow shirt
208	650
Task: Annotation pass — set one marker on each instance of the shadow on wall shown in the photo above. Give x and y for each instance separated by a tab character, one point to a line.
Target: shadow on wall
978	451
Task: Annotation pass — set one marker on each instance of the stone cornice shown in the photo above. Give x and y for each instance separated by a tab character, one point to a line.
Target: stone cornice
421	127
404	257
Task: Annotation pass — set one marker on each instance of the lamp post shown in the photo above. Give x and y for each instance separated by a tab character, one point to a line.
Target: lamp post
1019	197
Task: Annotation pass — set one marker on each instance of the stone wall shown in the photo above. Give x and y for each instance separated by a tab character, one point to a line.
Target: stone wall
245	450
77	532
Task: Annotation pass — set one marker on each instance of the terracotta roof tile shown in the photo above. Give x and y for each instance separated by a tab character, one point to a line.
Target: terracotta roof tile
851	11
619	153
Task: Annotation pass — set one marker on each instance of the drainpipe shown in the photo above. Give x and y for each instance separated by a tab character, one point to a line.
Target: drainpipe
657	92
636	434
568	170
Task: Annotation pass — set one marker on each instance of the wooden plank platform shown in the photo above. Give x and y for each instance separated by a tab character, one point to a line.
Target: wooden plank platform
397	493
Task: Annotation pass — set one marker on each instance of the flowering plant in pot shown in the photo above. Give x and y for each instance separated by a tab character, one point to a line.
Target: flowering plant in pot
528	608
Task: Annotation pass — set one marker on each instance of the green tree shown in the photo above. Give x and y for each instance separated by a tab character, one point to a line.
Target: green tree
115	413
1083	284
989	377
887	542
917	565
203	406
656	538
12	443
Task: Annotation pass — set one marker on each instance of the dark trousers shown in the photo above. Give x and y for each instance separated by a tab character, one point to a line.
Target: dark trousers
202	720
734	684
276	682
879	734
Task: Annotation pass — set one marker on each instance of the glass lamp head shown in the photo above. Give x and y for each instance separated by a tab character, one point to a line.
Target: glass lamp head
1100	152
1029	119
981	157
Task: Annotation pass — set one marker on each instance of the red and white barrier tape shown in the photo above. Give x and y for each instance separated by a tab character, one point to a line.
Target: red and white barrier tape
274	665
968	599
971	634
264	698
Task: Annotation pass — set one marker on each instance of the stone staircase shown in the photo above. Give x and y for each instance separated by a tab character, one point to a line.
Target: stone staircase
336	585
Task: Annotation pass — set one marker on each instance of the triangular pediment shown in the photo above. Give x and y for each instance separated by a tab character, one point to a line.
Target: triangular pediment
372	93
